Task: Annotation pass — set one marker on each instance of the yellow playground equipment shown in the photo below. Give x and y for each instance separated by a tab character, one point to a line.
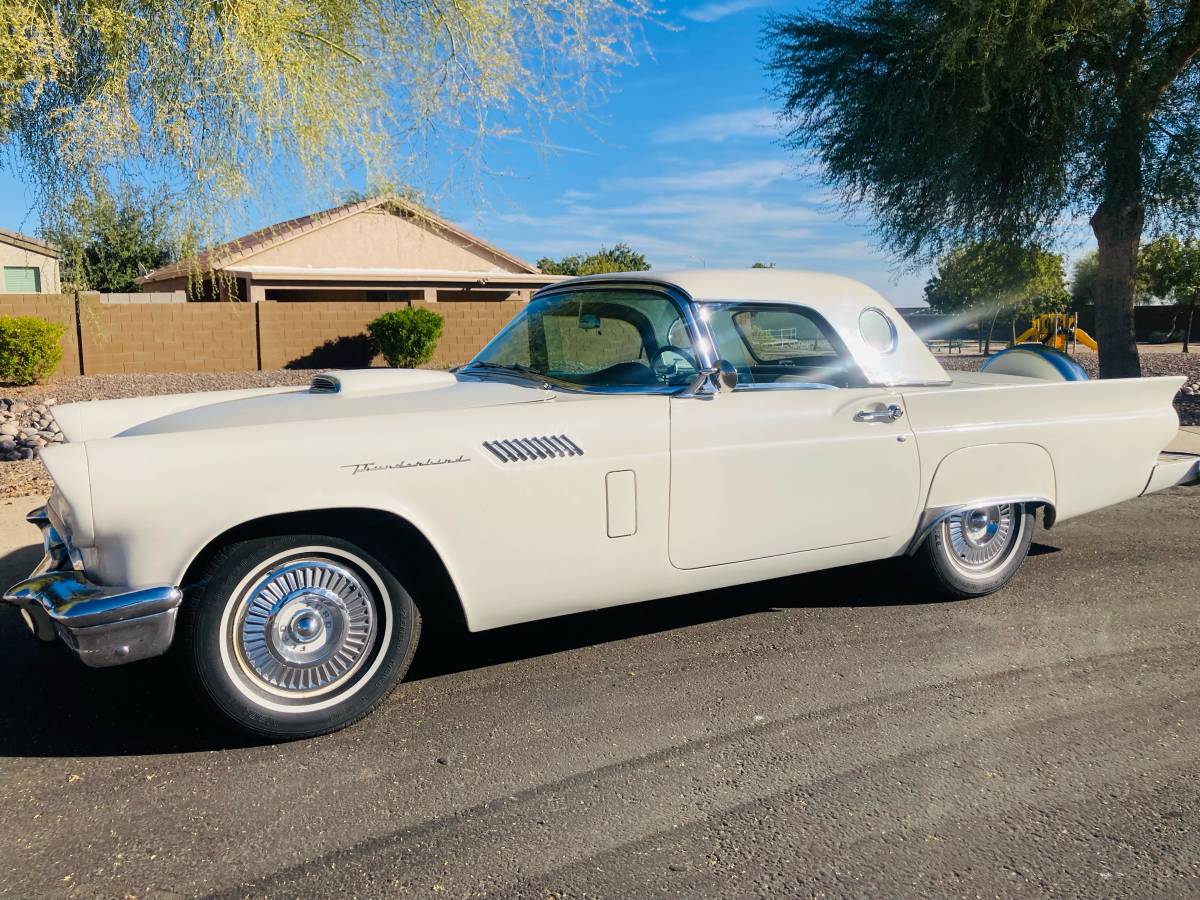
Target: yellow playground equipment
1060	331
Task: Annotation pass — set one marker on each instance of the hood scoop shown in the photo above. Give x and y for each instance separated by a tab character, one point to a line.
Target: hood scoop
370	381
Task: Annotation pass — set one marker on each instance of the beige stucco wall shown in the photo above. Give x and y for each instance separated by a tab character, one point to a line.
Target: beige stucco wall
378	239
19	256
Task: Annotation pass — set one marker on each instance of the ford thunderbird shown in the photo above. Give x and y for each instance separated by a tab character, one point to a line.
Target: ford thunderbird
624	438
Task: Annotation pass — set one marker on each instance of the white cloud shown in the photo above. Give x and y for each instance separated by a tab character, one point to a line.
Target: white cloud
720	9
719	127
750	174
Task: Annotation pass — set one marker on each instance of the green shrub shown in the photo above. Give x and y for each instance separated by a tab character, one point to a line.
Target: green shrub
406	337
29	349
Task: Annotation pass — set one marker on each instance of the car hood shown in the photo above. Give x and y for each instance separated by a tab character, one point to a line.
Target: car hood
336	395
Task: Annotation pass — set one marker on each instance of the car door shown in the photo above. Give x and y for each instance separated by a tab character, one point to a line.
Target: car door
800	456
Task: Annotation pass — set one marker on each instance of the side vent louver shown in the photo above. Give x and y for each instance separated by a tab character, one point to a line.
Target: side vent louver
324	384
533	449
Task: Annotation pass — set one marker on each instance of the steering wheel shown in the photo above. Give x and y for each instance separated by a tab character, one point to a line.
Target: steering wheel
663	370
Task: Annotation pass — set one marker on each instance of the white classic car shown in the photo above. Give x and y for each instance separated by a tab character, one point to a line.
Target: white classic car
625	438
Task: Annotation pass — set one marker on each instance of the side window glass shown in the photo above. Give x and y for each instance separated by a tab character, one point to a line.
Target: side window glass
601	338
781	345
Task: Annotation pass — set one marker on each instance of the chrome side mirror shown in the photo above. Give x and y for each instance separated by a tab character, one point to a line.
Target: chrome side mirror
725	378
722	377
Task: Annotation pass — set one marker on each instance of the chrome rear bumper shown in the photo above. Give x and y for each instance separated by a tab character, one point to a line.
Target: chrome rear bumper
1173	469
105	626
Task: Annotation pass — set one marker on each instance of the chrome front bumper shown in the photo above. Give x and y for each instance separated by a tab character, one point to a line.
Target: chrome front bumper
105	626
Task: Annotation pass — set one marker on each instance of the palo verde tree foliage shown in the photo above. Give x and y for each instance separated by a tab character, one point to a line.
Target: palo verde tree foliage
621	258
110	238
992	281
1169	267
994	120
207	97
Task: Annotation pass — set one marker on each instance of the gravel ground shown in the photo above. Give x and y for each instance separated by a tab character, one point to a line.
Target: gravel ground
18	479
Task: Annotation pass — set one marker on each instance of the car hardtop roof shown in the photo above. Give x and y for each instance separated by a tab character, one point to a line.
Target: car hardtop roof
818	289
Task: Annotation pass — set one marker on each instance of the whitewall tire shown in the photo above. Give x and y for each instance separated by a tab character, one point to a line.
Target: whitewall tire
974	552
296	635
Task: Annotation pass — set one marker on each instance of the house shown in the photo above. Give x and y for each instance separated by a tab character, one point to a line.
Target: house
384	248
29	265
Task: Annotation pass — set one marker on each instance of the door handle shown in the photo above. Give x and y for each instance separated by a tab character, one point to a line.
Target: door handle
889	413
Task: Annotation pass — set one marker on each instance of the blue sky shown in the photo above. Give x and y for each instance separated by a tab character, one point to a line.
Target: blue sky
682	161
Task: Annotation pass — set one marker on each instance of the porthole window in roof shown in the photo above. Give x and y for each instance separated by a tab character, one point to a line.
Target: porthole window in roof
877	330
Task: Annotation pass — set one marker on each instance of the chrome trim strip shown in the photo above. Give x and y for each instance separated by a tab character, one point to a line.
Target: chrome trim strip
577	450
533	448
934	516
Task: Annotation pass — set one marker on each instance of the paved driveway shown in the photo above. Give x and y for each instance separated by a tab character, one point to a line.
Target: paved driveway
835	733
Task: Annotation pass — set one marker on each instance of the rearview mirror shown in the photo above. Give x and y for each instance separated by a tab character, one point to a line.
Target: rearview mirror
589	322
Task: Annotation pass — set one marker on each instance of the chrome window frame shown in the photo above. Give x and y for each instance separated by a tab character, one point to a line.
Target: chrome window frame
702	344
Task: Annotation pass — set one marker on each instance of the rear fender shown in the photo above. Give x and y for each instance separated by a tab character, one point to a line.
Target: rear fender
987	474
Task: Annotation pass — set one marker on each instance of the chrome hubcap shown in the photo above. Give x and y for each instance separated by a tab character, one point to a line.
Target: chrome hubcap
304	627
980	538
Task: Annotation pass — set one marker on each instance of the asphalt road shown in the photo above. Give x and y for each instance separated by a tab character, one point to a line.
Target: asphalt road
830	734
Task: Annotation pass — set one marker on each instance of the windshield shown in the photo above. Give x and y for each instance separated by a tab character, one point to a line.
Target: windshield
596	338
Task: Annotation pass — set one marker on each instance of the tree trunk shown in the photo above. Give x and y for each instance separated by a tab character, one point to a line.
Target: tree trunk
1187	329
1118	230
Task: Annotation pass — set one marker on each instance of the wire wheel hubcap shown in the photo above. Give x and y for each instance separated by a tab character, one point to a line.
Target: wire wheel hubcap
304	628
979	540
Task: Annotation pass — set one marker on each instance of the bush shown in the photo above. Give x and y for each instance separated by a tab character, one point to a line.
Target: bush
406	337
29	349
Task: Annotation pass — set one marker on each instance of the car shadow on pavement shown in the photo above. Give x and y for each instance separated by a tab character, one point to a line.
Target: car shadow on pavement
889	582
54	706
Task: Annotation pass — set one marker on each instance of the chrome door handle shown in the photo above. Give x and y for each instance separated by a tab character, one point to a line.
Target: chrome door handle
888	414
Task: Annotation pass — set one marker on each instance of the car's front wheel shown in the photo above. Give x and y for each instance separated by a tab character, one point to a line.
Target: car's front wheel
297	635
974	552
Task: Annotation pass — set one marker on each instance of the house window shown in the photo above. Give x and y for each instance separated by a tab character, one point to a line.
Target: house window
23	279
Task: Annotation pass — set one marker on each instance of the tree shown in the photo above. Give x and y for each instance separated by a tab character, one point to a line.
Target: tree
219	99
1170	268
621	258
763	265
988	280
1083	279
109	239
993	120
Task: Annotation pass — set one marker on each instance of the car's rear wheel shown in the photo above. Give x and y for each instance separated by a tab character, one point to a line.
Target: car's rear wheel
297	635
973	552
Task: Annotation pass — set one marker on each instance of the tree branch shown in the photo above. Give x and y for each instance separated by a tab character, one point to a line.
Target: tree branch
1179	53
